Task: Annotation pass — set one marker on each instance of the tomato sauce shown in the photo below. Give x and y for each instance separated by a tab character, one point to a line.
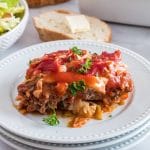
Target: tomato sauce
70	77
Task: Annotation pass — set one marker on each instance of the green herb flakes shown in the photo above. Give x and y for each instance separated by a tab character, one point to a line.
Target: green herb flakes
77	86
30	62
86	66
51	120
110	116
76	50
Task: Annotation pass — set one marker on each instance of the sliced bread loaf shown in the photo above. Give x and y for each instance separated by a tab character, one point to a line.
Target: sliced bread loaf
52	26
38	3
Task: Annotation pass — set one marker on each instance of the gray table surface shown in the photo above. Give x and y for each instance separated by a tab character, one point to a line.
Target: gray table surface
132	37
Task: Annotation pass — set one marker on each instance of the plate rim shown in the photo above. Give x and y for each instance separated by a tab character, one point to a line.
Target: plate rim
133	124
125	144
41	145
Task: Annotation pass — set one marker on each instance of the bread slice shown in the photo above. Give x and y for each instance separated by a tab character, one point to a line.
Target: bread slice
38	3
51	26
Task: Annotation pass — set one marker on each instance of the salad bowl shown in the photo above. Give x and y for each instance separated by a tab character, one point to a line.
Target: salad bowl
9	38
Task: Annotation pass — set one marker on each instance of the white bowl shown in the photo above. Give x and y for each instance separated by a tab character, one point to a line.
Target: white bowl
9	38
135	12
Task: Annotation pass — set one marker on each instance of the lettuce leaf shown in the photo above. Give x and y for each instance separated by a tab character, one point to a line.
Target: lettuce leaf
17	11
3	5
7	24
10	3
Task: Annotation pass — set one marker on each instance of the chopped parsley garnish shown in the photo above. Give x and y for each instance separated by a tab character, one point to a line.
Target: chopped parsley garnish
74	87
30	62
110	116
76	50
51	120
86	66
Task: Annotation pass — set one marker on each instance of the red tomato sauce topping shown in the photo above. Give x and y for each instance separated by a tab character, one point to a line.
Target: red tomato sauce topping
63	66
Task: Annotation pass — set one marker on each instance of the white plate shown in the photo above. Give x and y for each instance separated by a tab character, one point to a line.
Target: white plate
84	146
124	119
128	143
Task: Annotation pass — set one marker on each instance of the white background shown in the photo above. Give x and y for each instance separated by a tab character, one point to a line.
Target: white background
132	37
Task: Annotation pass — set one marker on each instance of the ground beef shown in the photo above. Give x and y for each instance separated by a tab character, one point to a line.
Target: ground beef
44	104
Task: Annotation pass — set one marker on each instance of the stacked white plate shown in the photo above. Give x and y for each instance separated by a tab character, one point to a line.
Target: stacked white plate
128	125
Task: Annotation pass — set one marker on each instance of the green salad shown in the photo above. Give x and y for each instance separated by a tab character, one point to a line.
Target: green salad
11	13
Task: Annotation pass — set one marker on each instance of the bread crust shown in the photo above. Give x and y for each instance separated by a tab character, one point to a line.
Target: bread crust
39	3
46	34
49	35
